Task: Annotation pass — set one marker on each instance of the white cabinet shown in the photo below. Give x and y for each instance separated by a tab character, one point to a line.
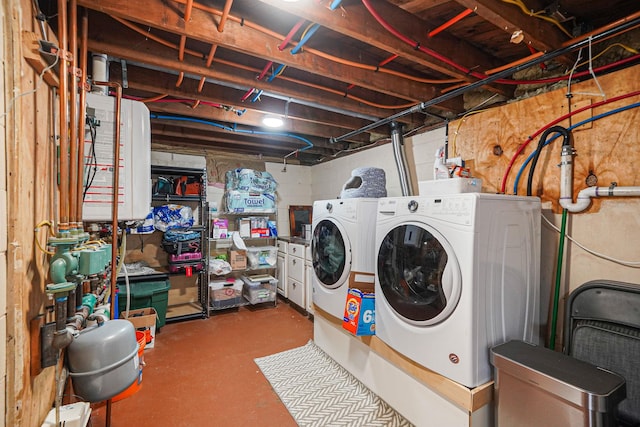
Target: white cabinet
282	269
308	275
296	291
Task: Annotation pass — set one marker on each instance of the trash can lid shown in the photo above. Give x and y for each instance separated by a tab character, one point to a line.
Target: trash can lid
559	374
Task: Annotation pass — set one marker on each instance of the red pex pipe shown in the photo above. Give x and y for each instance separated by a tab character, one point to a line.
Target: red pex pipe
450	22
289	36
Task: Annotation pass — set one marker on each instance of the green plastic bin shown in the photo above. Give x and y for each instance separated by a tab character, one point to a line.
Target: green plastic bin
146	291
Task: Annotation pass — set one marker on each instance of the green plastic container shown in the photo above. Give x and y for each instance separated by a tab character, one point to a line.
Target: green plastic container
146	291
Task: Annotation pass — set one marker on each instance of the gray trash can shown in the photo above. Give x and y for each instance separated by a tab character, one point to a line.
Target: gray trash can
536	386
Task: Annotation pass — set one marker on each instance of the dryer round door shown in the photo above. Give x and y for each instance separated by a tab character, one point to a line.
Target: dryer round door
331	254
418	274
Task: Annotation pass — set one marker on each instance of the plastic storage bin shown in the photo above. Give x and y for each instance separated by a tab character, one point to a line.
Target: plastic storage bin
146	291
262	256
225	294
257	291
536	386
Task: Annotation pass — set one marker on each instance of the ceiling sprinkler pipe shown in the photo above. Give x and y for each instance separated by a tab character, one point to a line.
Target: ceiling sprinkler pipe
397	142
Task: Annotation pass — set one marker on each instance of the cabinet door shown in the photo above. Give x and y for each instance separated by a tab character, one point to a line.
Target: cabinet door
281	274
308	274
296	292
295	267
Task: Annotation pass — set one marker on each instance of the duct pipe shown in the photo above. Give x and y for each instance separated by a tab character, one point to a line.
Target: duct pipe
116	185
625	25
83	113
99	73
401	162
63	227
73	113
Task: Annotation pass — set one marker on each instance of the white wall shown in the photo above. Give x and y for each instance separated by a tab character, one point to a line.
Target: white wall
294	188
424	148
327	179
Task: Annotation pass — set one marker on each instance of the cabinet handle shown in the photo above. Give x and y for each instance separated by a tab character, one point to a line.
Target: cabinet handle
293	261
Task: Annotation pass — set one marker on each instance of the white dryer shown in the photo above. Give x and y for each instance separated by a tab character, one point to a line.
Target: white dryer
342	249
455	275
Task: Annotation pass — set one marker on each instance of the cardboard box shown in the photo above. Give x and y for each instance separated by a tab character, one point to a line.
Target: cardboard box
144	319
238	260
359	311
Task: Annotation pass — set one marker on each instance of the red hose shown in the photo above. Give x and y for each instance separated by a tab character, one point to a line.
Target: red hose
530	138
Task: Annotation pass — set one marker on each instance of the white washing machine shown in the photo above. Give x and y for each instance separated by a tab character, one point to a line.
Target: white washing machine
342	249
455	275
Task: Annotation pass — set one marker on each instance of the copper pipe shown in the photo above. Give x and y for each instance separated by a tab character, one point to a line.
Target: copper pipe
195	104
180	77
156	38
83	112
602	29
225	15
212	53
183	41
73	137
187	11
116	189
201	84
64	136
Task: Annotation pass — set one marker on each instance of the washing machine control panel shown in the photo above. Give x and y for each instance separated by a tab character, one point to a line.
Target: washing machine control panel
458	209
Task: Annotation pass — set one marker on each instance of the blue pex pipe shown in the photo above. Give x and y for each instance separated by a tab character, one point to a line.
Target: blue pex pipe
551	139
233	129
305	39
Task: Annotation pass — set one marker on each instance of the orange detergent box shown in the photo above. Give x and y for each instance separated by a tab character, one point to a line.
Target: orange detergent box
359	311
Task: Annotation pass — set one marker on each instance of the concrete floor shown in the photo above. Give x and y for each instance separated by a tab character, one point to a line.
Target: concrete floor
202	373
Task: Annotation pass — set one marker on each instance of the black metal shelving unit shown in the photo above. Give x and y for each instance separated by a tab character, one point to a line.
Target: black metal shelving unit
200	201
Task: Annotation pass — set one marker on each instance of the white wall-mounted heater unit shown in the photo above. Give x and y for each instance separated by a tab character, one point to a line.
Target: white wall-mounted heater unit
134	193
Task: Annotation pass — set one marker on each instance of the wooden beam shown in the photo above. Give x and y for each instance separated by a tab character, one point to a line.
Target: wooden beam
31	50
541	35
245	39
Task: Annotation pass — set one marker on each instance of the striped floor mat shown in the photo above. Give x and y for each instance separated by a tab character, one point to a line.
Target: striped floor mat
319	392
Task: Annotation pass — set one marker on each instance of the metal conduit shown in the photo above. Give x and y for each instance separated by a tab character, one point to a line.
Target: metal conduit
419	108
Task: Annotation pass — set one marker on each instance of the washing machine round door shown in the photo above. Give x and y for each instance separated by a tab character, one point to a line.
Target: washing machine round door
418	274
331	254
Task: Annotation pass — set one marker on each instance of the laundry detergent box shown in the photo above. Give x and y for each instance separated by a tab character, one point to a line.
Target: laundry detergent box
359	311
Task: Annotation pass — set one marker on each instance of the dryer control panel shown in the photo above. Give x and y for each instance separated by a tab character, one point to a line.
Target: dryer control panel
458	209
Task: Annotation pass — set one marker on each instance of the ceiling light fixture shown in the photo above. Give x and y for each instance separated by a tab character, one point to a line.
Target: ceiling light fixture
272	121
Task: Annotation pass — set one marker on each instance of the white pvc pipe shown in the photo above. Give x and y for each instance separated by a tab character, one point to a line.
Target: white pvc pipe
100	72
584	196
